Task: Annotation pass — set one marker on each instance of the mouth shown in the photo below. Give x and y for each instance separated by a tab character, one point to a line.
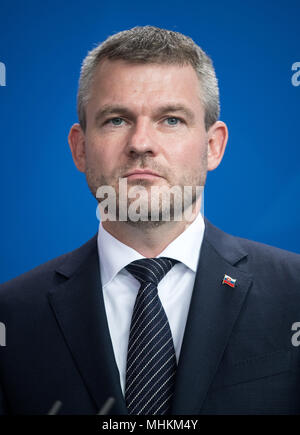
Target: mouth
141	174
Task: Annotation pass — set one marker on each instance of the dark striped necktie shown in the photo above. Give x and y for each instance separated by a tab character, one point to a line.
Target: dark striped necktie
151	359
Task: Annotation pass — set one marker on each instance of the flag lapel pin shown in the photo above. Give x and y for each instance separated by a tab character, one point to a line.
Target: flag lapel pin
229	281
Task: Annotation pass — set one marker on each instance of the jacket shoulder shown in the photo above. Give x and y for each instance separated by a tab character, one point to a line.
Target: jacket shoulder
44	275
255	257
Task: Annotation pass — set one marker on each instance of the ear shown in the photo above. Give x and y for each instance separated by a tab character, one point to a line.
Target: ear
217	140
76	141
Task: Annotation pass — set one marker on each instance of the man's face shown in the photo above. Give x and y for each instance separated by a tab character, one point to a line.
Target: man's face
144	117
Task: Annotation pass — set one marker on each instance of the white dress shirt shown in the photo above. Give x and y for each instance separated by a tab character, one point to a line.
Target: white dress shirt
120	288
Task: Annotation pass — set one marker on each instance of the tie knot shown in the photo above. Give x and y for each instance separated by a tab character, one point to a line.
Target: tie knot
151	269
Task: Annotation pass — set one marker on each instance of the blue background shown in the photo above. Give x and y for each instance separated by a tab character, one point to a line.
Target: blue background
46	207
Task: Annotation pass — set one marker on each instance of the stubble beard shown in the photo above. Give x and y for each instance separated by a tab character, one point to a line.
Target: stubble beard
195	179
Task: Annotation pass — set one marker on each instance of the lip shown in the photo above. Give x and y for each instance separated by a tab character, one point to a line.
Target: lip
141	173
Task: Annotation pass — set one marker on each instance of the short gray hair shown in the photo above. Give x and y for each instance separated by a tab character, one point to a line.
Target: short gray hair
149	44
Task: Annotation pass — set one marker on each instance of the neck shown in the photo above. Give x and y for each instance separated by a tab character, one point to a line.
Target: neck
149	238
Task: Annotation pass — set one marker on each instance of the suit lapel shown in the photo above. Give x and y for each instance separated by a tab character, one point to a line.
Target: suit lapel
213	312
79	308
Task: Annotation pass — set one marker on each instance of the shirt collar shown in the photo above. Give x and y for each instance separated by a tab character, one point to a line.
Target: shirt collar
115	255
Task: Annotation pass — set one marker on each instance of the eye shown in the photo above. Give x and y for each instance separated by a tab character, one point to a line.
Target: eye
172	121
115	121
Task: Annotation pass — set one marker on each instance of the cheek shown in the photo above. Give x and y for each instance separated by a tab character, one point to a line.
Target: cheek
194	155
100	156
95	156
199	151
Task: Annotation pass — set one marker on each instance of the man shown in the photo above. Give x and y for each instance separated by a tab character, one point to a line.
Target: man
160	311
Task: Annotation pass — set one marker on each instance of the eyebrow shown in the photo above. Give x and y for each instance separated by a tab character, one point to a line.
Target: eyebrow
108	110
175	108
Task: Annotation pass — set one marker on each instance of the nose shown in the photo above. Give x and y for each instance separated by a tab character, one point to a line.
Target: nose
141	139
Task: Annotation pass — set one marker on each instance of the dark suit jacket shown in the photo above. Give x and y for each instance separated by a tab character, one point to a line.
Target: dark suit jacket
236	357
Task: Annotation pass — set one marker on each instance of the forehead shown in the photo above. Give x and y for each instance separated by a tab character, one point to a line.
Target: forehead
118	81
